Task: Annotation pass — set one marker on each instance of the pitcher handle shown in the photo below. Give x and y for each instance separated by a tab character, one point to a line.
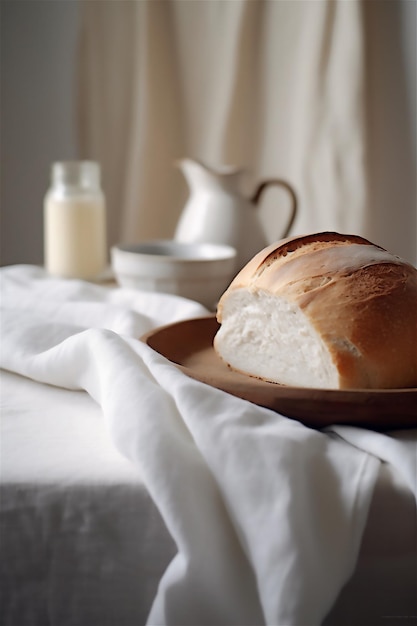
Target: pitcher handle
294	202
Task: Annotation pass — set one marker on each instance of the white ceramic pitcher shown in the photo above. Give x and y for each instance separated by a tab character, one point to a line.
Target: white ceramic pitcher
217	212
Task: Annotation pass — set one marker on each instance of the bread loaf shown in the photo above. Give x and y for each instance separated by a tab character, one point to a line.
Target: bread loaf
322	311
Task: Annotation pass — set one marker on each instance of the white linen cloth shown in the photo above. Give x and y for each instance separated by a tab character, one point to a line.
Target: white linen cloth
267	514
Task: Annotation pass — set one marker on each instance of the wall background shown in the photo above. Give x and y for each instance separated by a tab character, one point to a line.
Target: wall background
37	114
38	42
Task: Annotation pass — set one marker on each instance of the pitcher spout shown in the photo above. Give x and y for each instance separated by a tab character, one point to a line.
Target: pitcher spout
199	175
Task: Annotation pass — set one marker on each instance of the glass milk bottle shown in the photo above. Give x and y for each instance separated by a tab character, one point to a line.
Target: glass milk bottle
75	221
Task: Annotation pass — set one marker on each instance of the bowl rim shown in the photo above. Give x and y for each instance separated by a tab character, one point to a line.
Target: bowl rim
219	252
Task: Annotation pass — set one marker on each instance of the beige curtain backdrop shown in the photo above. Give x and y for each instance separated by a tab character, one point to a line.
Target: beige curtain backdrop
278	87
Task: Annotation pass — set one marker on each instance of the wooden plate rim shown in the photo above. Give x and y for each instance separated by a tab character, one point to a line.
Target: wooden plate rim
378	409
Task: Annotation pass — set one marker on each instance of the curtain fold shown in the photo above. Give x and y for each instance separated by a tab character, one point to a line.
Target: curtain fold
274	86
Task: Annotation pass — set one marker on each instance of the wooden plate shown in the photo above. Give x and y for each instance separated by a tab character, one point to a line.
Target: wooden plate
189	345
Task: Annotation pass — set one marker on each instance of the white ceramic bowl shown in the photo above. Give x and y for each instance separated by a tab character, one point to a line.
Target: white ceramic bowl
198	271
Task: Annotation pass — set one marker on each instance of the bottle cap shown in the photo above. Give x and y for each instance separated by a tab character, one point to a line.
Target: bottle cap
84	174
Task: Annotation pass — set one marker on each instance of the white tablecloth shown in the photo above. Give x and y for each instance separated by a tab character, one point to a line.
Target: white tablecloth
266	515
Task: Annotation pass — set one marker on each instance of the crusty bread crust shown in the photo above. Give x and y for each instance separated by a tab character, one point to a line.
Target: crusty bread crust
361	300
